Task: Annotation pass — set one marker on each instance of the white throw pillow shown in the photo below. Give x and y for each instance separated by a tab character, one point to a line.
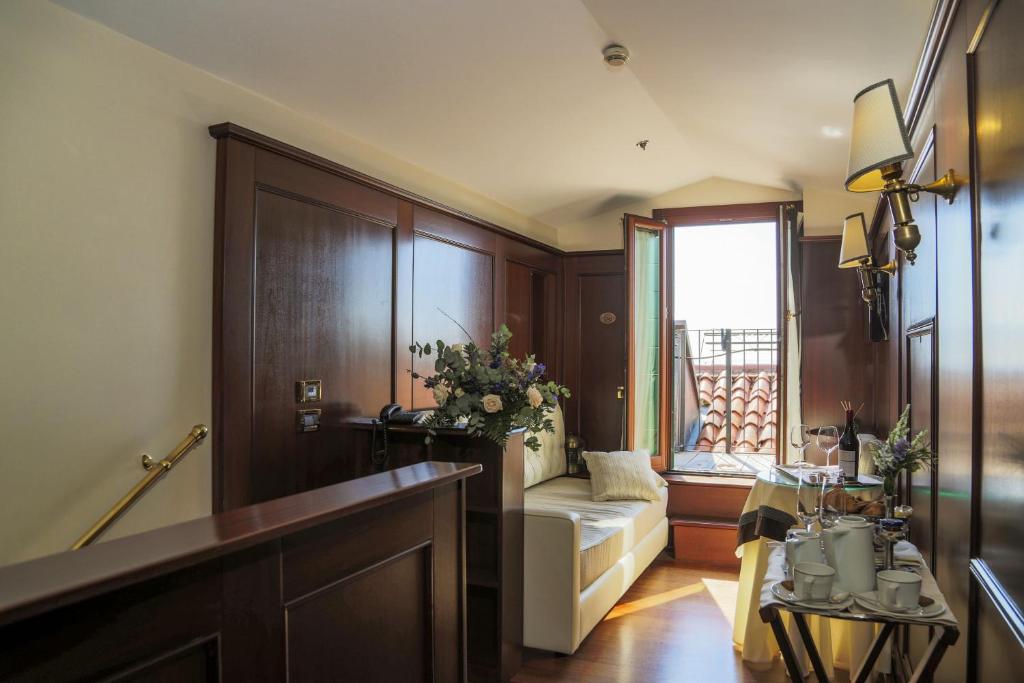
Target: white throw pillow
549	461
622	475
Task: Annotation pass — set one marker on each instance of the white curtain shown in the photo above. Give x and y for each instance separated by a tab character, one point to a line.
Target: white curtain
647	297
794	415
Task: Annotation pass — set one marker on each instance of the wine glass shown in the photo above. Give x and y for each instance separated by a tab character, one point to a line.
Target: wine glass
800	439
828	441
809	489
832	504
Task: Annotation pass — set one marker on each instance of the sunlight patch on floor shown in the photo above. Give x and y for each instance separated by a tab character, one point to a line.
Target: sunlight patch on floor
724	594
625	608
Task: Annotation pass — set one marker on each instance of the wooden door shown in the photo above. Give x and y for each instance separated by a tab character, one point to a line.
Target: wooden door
648	337
602	349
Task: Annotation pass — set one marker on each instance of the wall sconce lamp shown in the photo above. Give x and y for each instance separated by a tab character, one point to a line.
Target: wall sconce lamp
855	253
879	143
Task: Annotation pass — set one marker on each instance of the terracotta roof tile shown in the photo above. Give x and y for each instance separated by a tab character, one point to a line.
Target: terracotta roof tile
751	402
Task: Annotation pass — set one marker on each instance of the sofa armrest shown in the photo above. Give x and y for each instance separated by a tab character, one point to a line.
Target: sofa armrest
551	579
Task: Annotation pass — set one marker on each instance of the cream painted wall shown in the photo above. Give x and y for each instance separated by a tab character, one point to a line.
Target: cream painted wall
605	230
824	210
106	227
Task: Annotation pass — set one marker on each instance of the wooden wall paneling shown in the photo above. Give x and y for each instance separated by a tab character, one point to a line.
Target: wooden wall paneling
118	636
234	246
835	347
918	280
449	589
996	81
322	295
886	379
974	65
462	267
451	282
403	311
545	328
955	350
920	383
921	493
519	307
595	352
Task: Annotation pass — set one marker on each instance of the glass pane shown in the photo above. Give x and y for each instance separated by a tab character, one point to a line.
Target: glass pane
646	336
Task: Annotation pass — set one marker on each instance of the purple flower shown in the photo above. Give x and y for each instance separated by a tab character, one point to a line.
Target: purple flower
495	364
900	450
537	370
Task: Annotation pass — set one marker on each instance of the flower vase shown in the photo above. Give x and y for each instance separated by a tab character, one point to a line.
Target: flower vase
889	495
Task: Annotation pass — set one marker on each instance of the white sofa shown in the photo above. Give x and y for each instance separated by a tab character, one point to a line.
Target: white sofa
580	556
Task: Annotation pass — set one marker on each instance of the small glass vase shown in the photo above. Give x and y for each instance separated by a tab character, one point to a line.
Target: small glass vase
889	495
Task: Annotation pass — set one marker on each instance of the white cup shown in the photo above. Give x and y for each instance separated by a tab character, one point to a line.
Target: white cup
898	590
804	546
852	519
813	581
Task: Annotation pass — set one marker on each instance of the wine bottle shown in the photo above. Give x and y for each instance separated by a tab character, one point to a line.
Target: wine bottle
848	449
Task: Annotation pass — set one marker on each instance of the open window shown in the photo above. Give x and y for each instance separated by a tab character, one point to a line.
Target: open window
648	342
725	276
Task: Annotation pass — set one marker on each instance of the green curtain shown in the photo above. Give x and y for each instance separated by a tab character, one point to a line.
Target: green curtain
647	298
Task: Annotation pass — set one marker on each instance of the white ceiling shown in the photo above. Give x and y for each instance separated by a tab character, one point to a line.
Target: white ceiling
511	98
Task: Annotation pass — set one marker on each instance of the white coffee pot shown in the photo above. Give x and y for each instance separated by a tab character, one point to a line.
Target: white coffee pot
849	550
803	546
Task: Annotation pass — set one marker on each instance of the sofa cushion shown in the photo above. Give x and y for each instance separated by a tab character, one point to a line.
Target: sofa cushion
623	475
609	529
549	461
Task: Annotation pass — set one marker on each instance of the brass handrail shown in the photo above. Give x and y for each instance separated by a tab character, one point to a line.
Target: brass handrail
193	439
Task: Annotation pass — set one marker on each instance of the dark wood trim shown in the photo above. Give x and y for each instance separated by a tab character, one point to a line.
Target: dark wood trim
934	42
594	252
820	238
234	131
44	584
723	213
994	590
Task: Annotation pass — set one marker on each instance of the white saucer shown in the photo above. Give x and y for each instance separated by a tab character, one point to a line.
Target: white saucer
779	591
869	601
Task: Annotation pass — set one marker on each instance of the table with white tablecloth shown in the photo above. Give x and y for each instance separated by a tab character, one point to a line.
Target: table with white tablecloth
770	509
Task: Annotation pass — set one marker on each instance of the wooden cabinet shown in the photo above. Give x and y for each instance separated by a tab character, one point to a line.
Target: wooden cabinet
494	542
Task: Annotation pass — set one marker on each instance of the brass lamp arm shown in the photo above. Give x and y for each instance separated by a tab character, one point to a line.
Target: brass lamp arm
945	187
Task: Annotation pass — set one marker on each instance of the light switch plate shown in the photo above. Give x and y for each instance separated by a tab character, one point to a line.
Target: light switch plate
307	420
308	391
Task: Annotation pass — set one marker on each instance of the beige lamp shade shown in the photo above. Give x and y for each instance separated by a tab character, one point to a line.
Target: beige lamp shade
855	242
878	136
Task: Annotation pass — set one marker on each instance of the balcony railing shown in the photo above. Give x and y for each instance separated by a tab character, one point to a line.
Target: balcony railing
726	401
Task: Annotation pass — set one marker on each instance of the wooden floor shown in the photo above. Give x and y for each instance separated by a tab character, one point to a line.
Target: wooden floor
674	624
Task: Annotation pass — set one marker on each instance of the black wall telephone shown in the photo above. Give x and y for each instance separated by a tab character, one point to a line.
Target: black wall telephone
380	457
392	413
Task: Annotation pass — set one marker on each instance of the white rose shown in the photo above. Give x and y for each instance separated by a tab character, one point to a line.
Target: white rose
457	348
491	402
534	397
440	394
459	393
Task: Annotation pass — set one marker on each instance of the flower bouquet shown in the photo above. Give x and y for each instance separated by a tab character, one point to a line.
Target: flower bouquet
488	390
898	454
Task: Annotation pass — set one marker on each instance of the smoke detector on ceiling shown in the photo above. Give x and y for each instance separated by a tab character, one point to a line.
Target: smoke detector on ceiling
616	55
